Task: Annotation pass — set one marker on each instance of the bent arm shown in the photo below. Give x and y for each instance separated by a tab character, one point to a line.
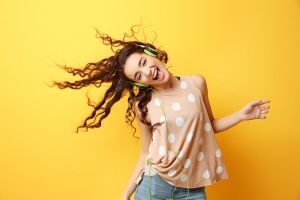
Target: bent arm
146	135
131	186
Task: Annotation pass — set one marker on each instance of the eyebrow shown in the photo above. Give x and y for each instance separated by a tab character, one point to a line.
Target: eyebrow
139	66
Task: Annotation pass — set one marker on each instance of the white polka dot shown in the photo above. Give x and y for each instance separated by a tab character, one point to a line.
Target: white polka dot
207	127
171	155
187	163
200	156
218	153
179	121
162	150
176	106
162	119
200	140
201	115
172	172
206	174
171	137
191	97
157	102
219	169
183	85
180	154
183	177
189	136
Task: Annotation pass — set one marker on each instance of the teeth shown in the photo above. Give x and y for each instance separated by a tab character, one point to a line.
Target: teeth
155	71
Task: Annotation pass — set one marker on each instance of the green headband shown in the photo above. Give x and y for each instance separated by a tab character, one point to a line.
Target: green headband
148	51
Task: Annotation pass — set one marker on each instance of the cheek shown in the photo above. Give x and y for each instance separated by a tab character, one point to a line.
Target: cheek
158	64
163	68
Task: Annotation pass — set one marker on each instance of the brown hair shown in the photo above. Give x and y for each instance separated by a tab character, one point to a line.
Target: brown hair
111	70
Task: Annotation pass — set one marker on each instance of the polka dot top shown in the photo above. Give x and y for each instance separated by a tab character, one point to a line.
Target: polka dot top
183	150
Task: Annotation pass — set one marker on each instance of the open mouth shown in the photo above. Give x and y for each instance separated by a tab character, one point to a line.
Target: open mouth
157	74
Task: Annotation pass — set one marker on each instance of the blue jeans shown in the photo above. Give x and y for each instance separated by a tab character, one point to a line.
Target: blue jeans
162	190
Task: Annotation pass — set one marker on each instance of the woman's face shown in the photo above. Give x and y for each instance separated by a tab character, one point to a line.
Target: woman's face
142	68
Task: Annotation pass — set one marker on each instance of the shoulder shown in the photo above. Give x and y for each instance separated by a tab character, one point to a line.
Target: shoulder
199	78
138	112
200	81
136	108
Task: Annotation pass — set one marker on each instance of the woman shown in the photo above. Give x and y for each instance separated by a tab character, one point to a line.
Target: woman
179	155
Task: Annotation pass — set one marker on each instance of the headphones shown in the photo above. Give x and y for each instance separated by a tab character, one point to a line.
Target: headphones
151	52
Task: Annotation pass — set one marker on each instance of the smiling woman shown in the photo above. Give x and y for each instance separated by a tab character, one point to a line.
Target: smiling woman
179	155
143	65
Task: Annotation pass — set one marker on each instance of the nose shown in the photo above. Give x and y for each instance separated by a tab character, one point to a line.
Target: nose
147	72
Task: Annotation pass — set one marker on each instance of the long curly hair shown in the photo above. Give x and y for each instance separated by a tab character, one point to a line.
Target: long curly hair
111	70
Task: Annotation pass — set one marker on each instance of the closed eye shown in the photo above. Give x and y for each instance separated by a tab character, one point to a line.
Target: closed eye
139	77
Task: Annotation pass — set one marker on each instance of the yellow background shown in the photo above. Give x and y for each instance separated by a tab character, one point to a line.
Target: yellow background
246	50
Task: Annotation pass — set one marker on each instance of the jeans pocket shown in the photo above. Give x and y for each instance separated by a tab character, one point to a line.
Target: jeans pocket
138	185
137	188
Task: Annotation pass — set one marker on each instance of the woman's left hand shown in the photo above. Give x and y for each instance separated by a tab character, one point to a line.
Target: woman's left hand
254	109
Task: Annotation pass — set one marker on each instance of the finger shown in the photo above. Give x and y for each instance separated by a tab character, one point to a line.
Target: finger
255	102
264	111
264	107
260	102
265	101
262	117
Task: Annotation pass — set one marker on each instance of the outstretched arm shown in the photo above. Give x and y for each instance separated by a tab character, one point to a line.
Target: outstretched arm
252	110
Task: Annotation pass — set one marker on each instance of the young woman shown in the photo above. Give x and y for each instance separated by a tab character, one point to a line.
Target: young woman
179	154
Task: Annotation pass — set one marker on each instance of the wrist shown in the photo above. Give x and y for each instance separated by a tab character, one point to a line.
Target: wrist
240	116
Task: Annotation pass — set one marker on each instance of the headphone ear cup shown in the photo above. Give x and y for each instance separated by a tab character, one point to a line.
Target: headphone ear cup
141	85
151	52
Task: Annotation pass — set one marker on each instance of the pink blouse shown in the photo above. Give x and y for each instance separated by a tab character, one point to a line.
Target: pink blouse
189	155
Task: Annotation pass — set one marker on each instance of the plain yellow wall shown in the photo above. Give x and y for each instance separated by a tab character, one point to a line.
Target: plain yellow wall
246	50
